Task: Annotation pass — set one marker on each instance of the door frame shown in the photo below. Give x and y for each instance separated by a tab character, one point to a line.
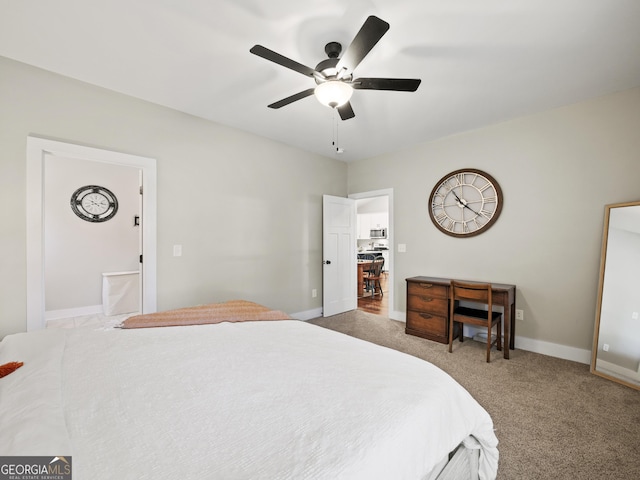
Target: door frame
37	150
388	192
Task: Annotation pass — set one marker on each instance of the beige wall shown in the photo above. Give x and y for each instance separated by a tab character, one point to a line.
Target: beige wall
246	210
557	170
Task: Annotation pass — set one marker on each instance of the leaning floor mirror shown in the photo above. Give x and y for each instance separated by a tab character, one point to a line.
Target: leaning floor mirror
616	342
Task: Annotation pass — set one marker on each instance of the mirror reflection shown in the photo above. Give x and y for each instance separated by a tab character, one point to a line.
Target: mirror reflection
616	345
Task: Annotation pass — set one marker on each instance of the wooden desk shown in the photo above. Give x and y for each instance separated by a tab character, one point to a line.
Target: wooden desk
428	308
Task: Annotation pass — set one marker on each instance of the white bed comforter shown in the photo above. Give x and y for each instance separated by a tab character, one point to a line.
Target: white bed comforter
255	400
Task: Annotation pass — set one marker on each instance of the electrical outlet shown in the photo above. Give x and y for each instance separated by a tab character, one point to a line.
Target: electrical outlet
634	316
314	293
402	247
605	347
519	314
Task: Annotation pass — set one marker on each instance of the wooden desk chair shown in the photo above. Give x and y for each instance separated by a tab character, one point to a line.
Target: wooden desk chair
478	293
372	280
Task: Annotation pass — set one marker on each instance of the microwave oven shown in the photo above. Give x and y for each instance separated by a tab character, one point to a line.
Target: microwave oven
378	233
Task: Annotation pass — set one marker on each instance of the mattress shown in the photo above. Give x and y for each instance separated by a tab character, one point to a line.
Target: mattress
269	400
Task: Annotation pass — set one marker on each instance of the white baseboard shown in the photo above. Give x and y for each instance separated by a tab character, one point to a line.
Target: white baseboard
565	352
579	355
545	348
308	314
72	312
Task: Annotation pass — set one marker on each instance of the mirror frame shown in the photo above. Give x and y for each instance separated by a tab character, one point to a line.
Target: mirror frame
603	261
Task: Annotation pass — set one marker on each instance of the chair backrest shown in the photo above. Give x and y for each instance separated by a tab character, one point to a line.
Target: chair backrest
471	292
376	266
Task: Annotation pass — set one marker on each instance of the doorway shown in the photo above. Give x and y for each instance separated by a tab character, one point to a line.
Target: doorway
374	212
41	155
92	233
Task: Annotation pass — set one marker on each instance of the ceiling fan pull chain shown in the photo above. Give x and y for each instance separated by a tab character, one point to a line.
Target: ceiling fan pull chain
335	142
335	123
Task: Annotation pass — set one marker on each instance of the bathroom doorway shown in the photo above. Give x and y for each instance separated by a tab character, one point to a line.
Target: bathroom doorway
92	240
68	248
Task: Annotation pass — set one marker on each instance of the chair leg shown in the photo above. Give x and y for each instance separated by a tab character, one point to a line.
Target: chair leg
499	346
489	343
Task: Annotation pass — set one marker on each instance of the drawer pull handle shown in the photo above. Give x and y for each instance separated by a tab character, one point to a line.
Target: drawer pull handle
426	316
426	299
425	285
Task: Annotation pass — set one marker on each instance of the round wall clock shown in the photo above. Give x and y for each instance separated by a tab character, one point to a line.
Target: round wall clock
94	204
465	203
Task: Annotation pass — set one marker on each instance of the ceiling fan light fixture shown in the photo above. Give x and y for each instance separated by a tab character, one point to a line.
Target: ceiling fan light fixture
334	75
333	93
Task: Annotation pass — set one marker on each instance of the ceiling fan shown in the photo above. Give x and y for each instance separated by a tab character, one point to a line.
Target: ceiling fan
334	76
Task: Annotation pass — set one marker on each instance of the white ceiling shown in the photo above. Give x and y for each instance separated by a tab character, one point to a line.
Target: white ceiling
480	61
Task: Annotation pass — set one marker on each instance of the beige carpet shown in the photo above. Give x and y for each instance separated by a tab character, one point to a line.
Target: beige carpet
553	418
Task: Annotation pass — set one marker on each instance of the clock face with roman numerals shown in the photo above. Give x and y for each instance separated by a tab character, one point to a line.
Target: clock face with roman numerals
94	204
465	203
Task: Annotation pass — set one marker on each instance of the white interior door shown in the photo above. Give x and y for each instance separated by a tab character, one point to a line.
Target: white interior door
339	288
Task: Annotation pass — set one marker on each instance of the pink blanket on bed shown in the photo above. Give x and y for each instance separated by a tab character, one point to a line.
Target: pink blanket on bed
231	311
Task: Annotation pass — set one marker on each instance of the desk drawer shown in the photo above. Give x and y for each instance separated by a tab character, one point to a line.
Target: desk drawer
434	325
427	289
427	303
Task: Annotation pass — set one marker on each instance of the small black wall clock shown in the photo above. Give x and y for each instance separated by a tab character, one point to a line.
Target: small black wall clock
465	203
94	203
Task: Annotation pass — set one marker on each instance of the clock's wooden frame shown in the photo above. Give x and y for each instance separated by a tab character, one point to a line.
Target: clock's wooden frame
490	222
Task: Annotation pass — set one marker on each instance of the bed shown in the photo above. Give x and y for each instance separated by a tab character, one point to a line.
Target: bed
276	399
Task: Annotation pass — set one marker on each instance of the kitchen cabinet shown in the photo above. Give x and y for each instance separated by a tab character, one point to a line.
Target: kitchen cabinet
363	223
366	221
380	220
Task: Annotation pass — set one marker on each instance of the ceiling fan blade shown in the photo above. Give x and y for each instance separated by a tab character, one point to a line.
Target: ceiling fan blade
292	98
346	111
397	84
371	32
272	56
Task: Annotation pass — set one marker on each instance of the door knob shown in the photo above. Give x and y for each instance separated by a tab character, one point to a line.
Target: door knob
327	262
